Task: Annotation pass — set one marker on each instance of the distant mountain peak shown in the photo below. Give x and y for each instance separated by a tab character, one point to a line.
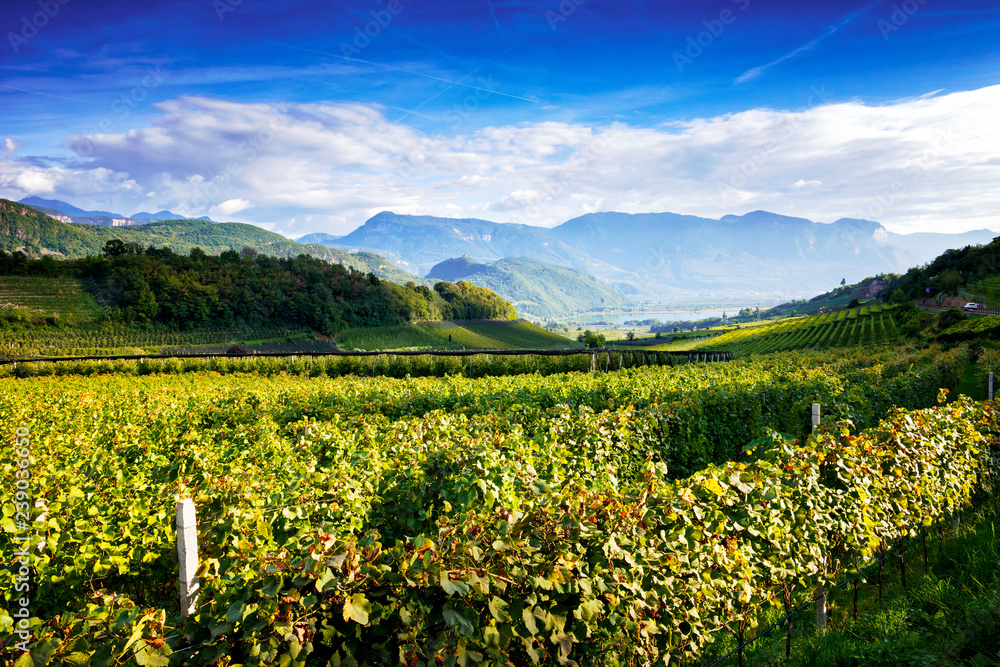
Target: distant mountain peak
165	215
76	212
68	209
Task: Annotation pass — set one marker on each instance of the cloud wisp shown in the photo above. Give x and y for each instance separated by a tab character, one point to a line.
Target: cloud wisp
828	32
924	164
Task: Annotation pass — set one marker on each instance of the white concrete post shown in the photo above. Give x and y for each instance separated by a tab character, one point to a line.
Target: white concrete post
815	416
991	385
187	555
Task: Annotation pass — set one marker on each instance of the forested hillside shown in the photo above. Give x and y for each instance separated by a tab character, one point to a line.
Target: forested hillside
194	290
533	286
24	229
952	271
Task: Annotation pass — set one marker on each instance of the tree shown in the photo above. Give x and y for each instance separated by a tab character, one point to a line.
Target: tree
843	282
630	335
854	303
118	248
949	317
591	339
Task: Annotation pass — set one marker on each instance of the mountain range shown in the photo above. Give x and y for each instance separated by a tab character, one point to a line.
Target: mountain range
667	256
535	288
547	272
25	229
65	212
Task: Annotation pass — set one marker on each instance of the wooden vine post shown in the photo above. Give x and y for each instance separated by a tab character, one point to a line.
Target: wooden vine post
820	591
187	555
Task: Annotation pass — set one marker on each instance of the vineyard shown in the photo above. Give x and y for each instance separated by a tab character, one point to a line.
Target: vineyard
110	340
598	518
845	328
986	291
453	335
68	298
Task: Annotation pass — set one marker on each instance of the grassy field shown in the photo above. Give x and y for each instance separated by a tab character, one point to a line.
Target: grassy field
949	613
66	297
452	336
521	334
845	328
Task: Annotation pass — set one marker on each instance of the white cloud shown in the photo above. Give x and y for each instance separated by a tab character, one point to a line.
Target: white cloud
35	180
10	146
230	206
926	164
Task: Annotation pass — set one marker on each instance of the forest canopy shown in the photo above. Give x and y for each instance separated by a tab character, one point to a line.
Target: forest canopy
157	285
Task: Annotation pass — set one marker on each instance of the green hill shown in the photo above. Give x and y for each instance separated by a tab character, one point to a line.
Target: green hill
844	328
533	286
24	229
835	299
456	335
68	298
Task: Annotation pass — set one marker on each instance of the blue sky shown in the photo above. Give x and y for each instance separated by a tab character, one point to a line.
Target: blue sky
312	116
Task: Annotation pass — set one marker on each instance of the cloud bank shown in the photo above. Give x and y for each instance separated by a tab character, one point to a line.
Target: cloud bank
927	164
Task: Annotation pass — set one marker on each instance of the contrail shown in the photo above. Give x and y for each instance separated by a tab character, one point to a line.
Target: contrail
445	90
494	15
404	71
38	92
754	72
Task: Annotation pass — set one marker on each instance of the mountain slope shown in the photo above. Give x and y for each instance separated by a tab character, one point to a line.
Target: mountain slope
417	243
534	287
165	215
68	209
757	251
65	212
318	238
925	247
668	256
34	233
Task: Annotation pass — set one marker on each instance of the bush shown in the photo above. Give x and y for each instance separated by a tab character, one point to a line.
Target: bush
950	317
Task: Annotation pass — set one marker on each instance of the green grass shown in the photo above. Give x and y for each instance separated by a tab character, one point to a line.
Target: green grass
401	336
66	297
848	328
452	336
949	613
522	333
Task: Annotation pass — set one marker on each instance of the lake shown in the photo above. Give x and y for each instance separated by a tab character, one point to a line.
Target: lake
674	316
